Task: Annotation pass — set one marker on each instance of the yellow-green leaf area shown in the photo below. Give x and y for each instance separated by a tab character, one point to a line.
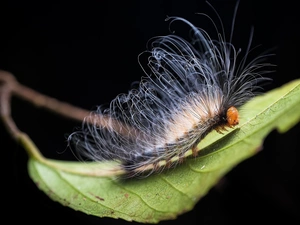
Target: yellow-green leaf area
163	196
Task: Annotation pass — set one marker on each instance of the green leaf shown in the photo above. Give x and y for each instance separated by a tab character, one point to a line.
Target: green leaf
164	196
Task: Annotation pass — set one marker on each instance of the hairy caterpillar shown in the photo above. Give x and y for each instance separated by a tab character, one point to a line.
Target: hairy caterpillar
191	89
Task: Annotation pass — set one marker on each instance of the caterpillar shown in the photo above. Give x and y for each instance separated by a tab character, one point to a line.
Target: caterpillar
191	88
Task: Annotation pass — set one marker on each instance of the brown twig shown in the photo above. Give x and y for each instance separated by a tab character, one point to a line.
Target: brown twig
40	100
11	86
7	84
5	95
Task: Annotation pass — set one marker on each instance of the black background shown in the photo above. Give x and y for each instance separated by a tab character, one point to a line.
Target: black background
85	53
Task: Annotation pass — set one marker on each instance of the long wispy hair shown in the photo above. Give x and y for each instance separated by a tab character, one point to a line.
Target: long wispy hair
189	88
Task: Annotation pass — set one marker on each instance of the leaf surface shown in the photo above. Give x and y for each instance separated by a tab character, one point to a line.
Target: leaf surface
166	195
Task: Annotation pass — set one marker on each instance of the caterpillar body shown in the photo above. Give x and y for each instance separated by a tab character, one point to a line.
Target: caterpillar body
191	89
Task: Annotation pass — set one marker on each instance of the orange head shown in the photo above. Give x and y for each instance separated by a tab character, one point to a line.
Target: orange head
232	116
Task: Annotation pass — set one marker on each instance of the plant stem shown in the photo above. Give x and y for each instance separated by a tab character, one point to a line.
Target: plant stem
9	86
61	108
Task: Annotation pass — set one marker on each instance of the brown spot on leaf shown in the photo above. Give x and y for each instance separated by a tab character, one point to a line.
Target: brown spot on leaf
96	196
101	199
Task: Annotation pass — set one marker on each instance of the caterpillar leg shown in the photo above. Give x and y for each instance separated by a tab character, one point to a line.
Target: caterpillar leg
195	151
168	164
181	159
